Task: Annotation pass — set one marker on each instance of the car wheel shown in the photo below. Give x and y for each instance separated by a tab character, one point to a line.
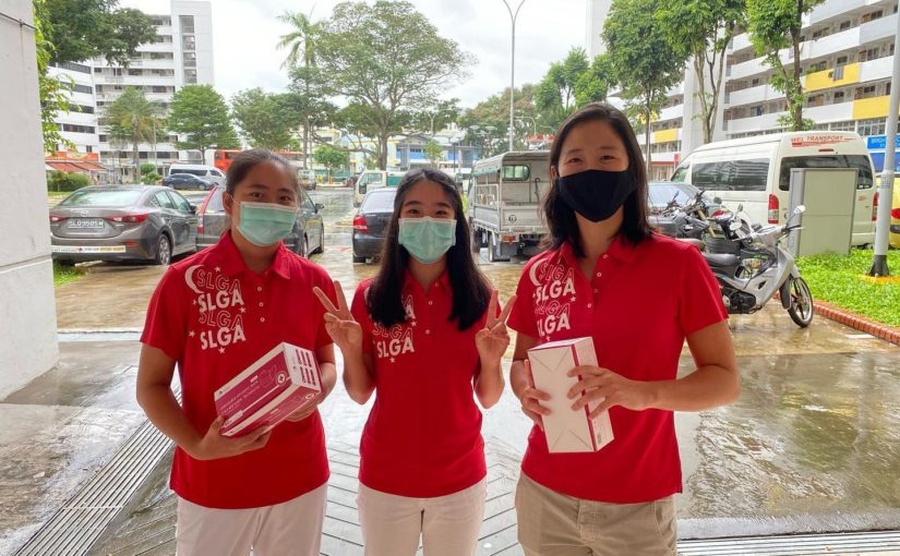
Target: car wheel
65	262
321	247
359	259
163	250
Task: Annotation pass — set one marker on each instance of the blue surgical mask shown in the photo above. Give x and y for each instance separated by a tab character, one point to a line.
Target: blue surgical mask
265	224
427	239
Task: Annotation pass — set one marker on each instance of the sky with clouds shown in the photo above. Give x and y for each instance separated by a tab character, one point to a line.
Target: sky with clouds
246	32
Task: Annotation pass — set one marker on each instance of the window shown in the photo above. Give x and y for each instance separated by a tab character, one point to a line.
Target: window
870	127
187	23
732	175
162	200
179	202
859	162
838	97
845	25
517	172
871	16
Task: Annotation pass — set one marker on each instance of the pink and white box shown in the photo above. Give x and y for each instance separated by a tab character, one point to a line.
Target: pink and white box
568	430
277	384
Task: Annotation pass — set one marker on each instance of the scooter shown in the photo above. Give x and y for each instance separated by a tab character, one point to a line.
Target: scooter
759	267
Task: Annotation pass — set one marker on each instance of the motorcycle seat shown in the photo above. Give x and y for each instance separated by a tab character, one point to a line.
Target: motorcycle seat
721	259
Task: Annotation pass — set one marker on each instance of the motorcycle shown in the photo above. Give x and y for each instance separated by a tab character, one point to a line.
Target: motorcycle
758	267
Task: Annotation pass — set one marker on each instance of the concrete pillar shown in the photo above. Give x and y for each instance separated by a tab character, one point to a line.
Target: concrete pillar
28	343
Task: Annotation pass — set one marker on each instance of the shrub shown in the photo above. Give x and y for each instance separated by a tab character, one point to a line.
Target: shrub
66	181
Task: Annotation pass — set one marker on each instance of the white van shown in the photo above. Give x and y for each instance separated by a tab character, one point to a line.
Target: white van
756	172
373	179
208	173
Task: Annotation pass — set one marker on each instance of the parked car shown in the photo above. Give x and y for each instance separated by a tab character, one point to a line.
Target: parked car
210	174
309	230
122	223
187	181
370	223
895	219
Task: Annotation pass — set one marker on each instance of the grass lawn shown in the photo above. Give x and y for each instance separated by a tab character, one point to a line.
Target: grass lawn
53	197
64	274
843	282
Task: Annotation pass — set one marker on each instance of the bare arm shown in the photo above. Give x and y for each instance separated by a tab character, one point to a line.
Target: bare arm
715	382
347	334
492	341
154	394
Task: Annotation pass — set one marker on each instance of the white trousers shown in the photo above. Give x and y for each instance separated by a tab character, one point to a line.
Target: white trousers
291	528
448	525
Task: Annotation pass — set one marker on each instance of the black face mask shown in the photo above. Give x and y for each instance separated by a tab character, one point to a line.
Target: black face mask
595	194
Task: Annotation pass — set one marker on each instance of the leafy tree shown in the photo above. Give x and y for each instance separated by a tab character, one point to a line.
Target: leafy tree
307	105
556	91
386	59
434	153
435	118
84	29
133	116
51	91
331	157
306	81
200	113
774	25
705	28
262	118
487	123
643	60
593	83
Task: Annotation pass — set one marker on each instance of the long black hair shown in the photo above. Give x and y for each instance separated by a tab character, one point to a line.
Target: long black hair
560	216
471	292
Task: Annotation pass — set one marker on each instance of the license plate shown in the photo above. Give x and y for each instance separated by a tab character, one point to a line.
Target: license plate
88	249
85	223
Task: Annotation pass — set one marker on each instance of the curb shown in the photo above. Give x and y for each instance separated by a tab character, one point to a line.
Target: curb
877	329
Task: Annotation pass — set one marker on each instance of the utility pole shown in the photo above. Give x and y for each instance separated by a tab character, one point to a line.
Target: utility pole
512	69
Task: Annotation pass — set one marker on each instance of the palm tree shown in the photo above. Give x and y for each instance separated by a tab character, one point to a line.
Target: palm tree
134	116
301	42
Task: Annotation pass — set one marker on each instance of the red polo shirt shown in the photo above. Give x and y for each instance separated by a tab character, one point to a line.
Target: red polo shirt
215	317
638	306
423	435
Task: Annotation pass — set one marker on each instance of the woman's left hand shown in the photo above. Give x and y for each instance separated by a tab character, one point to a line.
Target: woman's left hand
597	383
304	412
492	340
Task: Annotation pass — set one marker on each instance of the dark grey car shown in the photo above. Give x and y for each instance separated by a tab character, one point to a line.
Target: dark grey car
121	223
187	181
309	231
370	223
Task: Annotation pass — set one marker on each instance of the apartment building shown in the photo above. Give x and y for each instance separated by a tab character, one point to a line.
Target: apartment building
846	61
78	126
182	55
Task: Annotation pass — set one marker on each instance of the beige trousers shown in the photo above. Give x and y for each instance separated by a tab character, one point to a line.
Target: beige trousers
553	524
293	528
448	525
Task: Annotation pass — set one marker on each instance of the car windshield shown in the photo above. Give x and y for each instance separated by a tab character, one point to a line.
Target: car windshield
95	198
379	201
662	193
186	171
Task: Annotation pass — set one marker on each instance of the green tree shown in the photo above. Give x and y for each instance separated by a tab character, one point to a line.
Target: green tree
262	119
434	153
84	29
50	90
331	157
593	84
133	116
487	123
705	28
307	105
435	118
644	62
305	80
200	113
774	25
386	59
556	91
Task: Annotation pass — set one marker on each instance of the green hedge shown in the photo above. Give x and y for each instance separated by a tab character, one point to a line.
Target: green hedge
66	181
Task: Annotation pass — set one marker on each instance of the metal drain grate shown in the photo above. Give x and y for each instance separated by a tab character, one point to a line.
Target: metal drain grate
75	527
795	545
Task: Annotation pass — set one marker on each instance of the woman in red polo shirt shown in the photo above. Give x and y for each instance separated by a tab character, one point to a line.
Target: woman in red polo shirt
214	314
638	295
424	333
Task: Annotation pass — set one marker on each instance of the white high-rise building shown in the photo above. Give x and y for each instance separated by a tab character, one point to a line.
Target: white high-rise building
183	55
78	126
846	58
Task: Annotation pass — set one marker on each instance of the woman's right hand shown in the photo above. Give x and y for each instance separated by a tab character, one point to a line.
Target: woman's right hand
531	397
339	322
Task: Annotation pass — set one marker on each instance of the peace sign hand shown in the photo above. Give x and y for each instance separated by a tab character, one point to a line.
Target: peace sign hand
492	340
339	322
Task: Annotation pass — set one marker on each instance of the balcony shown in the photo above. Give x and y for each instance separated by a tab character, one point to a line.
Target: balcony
753	95
828	10
671	113
755	124
827	113
665	135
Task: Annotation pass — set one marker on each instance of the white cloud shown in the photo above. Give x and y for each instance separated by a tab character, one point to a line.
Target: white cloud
246	32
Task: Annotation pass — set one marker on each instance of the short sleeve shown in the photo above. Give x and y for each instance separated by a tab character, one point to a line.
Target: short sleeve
361	314
700	301
521	317
166	325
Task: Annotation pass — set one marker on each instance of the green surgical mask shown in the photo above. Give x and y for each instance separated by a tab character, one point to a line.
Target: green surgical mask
427	239
265	224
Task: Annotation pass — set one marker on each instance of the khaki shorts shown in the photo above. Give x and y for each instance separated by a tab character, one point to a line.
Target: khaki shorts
553	524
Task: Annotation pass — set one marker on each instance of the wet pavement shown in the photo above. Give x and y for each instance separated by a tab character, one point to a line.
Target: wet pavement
812	445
